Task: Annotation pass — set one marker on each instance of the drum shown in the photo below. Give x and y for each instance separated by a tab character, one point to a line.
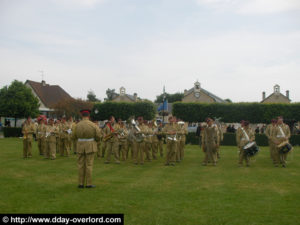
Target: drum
251	149
285	147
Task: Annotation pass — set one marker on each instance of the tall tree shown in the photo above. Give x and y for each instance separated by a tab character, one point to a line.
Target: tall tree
18	101
91	97
177	97
110	93
71	107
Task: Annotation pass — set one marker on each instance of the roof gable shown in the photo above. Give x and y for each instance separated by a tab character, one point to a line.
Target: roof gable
48	94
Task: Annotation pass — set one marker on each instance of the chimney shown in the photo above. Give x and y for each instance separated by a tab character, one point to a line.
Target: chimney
263	95
288	94
43	83
135	97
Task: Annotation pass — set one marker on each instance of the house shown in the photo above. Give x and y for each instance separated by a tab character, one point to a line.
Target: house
48	95
123	97
198	94
276	96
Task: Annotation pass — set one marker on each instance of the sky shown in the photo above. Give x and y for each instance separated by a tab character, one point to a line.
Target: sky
236	49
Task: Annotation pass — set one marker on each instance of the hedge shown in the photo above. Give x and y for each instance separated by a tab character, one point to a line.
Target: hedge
12	132
123	110
235	112
230	140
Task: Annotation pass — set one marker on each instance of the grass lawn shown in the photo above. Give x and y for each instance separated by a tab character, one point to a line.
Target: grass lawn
155	194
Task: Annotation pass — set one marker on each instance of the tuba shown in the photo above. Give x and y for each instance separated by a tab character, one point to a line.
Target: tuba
138	137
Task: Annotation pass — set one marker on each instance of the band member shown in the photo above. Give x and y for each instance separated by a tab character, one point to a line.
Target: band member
281	134
104	141
210	142
269	133
148	140
71	142
57	124
139	132
86	133
51	132
40	135
123	146
110	133
27	131
160	138
221	137
244	135
181	142
99	141
170	130
65	132
154	143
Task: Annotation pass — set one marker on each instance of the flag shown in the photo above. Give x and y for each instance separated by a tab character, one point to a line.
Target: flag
163	106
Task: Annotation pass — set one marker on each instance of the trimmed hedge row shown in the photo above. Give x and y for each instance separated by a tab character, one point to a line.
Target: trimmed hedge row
230	140
123	110
12	132
235	112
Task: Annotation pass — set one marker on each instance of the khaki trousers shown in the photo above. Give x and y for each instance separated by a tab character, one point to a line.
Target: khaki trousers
50	150
27	146
171	151
112	148
85	168
138	149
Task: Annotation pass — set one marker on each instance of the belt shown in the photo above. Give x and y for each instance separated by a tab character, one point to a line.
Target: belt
86	139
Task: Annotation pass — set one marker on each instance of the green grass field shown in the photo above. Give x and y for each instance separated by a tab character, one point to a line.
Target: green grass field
155	194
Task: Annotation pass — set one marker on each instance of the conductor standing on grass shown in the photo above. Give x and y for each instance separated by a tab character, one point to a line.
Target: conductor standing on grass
87	133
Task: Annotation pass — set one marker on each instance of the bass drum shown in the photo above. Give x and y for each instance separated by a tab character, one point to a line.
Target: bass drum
251	149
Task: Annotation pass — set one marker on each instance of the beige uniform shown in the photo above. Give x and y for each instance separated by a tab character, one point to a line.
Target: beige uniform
123	146
171	142
51	132
210	142
28	131
148	142
181	143
41	139
86	133
57	138
221	137
241	140
112	144
65	139
139	145
99	143
154	145
269	133
281	133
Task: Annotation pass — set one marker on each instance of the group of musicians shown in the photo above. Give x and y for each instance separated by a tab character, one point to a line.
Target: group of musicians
143	140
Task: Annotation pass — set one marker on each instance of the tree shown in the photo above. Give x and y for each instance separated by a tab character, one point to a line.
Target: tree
71	107
92	97
18	101
110	94
177	97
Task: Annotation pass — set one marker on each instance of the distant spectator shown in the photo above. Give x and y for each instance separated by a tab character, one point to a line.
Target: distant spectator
0	126
262	129
257	130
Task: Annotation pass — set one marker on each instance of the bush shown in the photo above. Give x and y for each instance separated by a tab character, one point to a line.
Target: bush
235	112
123	110
12	132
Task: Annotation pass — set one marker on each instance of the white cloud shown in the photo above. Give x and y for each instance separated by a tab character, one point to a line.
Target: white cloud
252	6
79	3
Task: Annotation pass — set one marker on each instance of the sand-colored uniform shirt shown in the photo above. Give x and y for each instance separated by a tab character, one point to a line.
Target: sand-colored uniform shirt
281	132
241	138
28	130
51	132
108	131
87	134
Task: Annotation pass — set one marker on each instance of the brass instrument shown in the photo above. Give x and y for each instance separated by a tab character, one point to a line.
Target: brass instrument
109	136
138	137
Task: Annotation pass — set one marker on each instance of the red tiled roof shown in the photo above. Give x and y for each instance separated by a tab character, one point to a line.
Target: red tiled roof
48	94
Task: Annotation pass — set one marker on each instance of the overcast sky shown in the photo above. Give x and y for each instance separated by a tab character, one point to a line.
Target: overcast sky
235	48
